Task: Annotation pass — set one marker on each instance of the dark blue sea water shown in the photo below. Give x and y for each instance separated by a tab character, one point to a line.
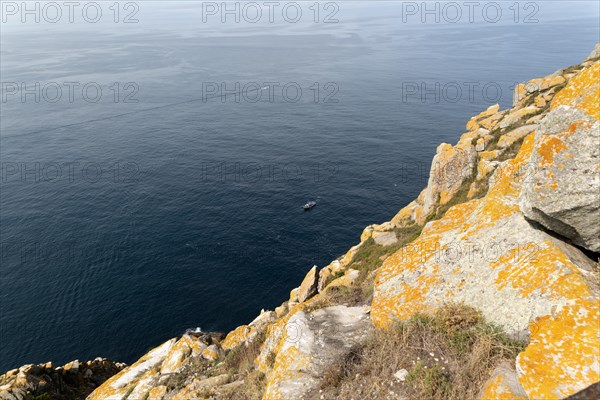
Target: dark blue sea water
124	223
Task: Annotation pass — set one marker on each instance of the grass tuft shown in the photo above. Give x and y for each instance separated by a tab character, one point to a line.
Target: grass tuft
448	356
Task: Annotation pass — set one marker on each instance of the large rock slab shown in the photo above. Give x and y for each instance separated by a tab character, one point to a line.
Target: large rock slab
451	166
562	189
310	343
308	287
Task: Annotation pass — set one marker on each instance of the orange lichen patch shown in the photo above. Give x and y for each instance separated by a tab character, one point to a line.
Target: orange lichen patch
350	254
179	352
483	169
488	155
419	215
273	341
543	268
548	147
563	355
540	101
157	393
238	336
491	122
538	84
498	389
491	110
445	196
472	124
407	300
276	335
498	204
288	363
520	92
582	92
501	200
210	353
427	245
391	308
405	214
347	280
576	126
554	81
410	257
467	137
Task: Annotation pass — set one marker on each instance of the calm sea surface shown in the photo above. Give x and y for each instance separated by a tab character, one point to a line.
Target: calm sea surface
123	223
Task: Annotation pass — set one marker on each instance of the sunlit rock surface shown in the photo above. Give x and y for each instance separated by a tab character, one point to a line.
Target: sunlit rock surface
485	253
311	342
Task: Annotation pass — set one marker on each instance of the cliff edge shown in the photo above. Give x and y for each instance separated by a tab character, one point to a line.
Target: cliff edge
484	287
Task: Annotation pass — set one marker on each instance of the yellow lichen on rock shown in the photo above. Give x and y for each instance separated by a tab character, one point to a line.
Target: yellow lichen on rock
287	363
527	277
563	356
498	389
238	336
554	274
582	91
491	110
183	348
157	393
136	377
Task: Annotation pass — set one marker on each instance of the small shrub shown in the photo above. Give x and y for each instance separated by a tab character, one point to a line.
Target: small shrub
175	381
368	257
431	383
252	388
333	277
240	360
239	364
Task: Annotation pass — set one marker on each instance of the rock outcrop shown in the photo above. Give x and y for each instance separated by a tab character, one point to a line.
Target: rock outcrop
486	254
562	190
176	364
74	380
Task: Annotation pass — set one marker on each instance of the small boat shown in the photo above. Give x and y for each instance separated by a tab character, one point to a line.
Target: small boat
309	205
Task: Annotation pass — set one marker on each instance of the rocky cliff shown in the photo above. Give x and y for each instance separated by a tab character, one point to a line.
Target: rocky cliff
486	286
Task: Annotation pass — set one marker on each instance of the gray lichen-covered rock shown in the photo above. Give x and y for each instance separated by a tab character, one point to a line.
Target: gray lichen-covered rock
311	343
562	187
503	383
595	53
451	166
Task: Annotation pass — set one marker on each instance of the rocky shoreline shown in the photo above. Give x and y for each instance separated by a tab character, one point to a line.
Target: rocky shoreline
74	380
